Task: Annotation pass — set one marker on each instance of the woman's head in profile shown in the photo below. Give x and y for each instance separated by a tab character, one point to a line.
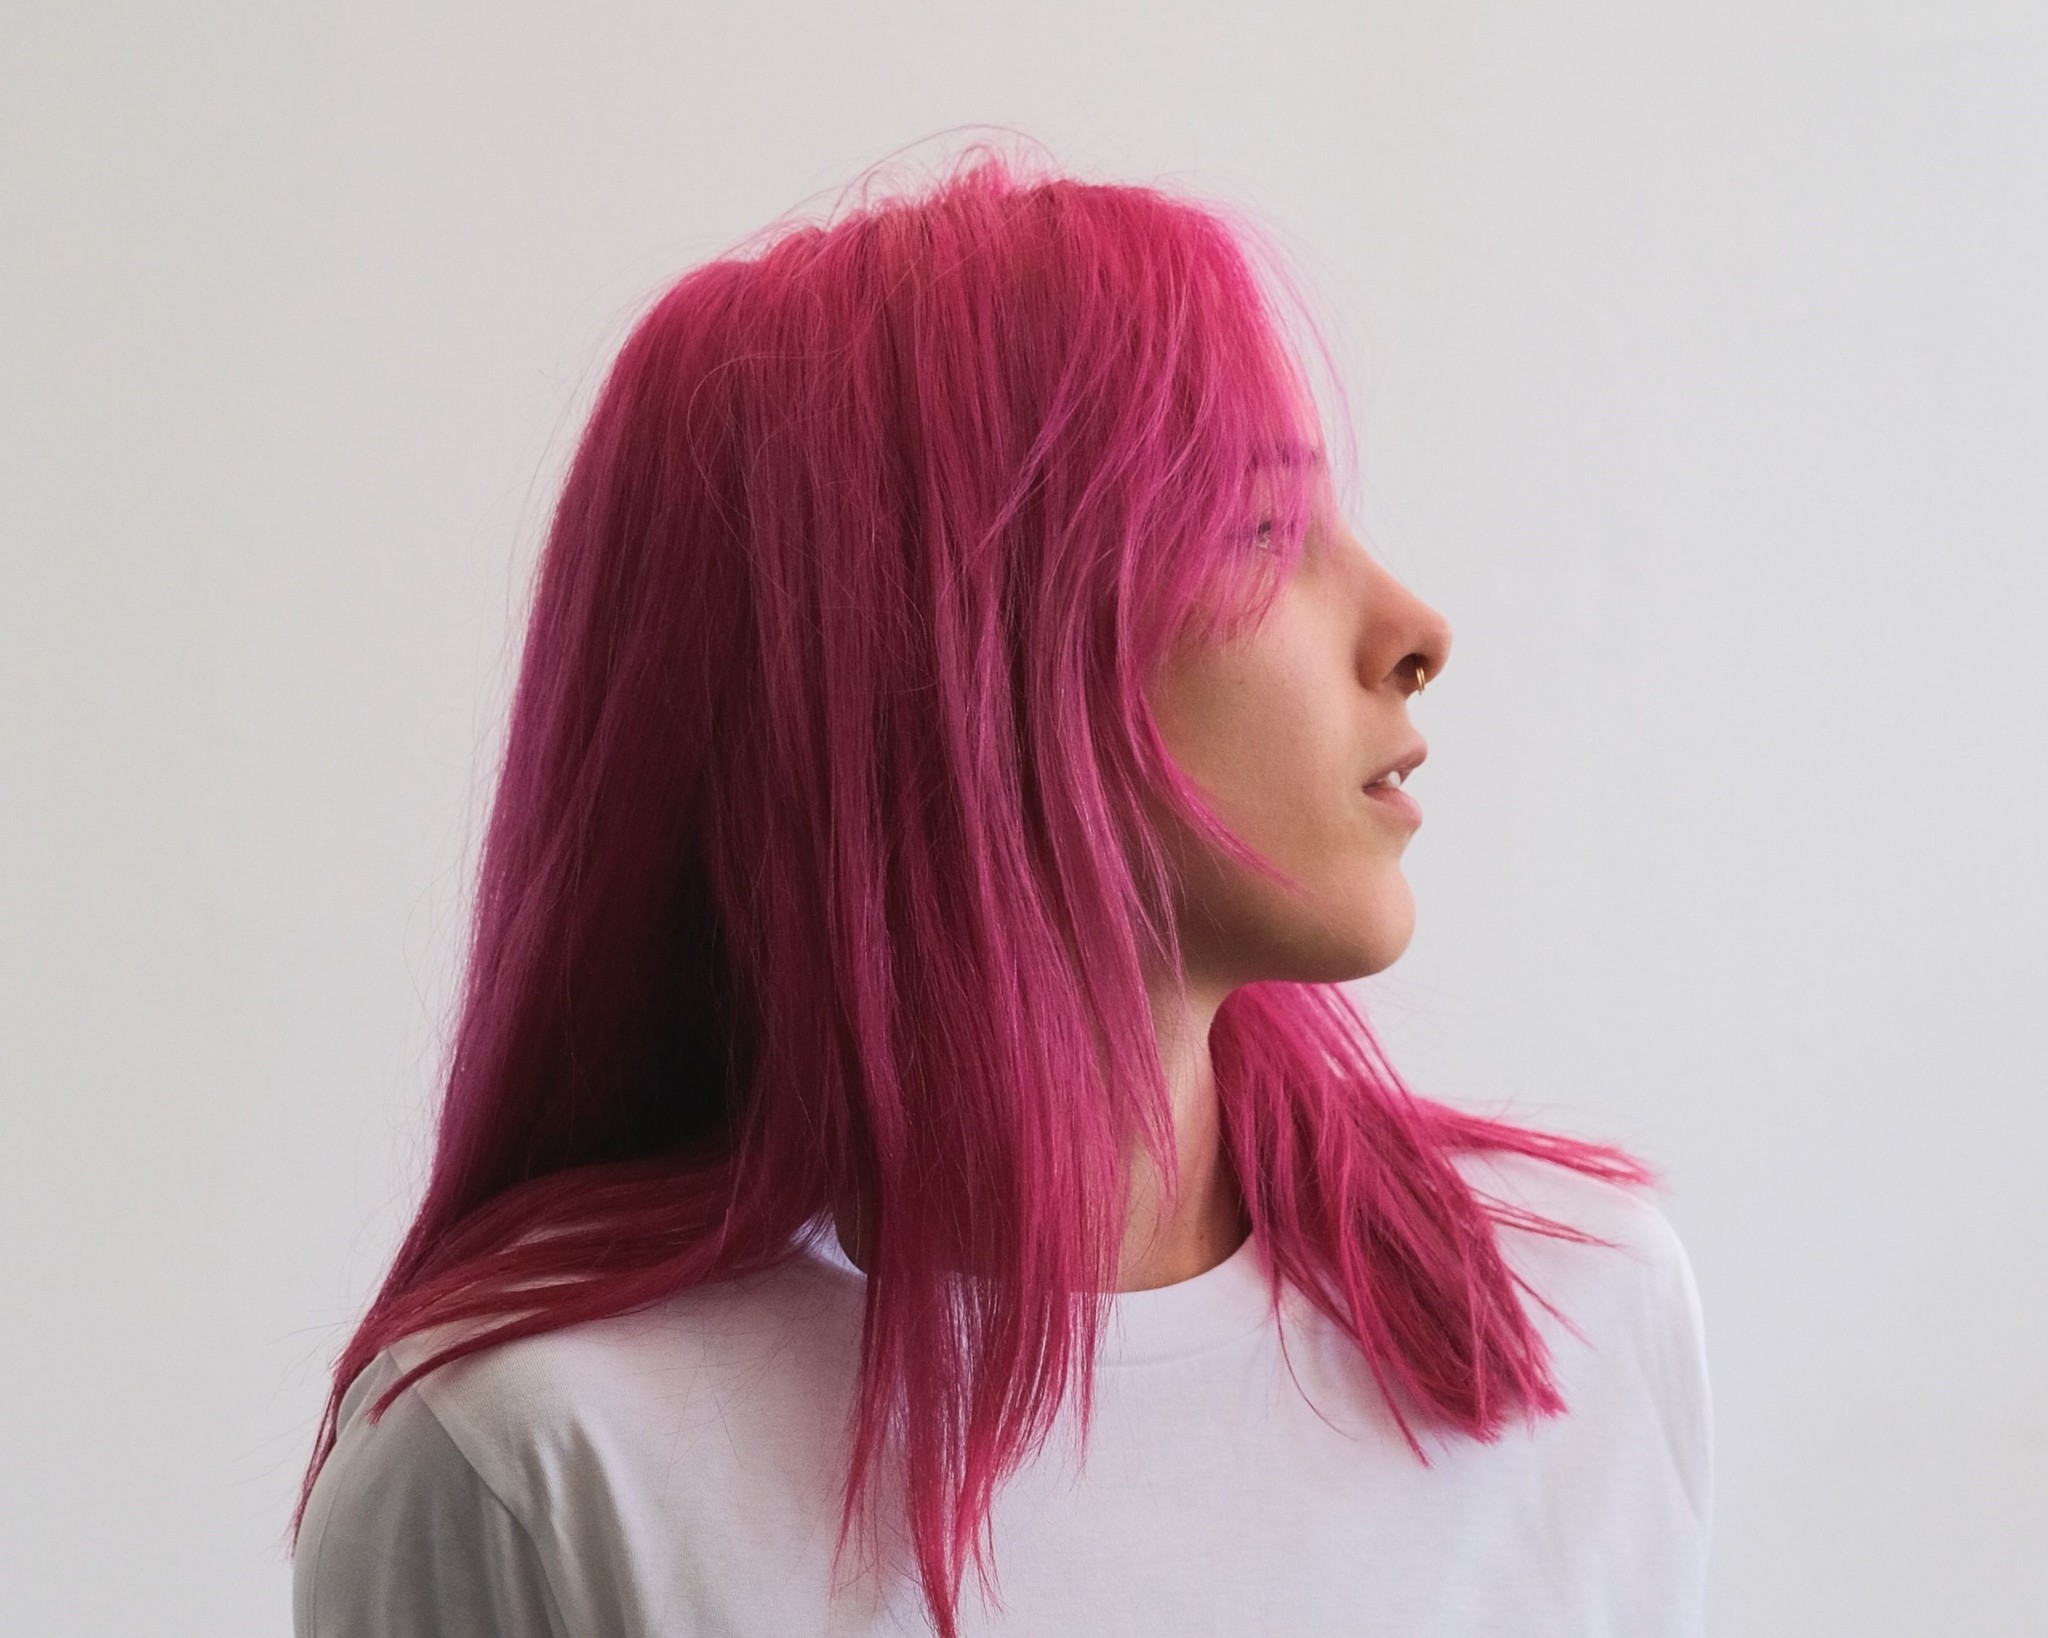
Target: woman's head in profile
948	675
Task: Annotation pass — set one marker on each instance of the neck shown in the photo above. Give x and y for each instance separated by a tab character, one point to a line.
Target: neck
1167	1238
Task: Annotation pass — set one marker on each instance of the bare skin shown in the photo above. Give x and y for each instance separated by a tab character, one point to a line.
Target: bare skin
1281	730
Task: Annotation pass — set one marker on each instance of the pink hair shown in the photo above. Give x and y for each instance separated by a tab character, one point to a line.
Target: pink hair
819	861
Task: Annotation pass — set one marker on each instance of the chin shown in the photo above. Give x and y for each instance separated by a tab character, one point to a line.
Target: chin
1380	947
1367	935
1394	930
1385	951
1340	927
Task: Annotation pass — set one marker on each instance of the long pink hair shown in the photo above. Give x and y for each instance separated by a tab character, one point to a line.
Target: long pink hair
820	866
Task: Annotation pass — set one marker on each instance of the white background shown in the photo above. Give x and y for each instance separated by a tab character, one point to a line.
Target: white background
1701	364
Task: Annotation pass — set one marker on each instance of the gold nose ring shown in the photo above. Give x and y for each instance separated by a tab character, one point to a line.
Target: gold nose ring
1421	677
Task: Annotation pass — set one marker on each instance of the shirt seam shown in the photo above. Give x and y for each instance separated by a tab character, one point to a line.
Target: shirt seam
819	1263
556	1619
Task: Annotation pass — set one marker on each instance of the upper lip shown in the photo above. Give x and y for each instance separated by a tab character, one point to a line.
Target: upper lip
1404	764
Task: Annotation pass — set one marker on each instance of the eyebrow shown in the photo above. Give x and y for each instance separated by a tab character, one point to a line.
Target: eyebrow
1290	454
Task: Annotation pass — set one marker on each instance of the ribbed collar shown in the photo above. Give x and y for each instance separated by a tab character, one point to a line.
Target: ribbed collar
1219	1305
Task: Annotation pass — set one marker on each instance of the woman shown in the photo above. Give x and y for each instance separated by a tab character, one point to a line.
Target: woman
901	1119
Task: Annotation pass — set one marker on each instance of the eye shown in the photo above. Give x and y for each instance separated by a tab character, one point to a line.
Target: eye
1262	536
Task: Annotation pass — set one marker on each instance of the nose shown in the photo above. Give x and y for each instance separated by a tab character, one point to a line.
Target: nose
1404	643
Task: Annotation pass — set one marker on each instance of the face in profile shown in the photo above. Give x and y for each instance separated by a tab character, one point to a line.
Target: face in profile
1297	734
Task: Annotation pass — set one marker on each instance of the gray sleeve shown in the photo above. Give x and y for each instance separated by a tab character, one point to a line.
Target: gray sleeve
403	1539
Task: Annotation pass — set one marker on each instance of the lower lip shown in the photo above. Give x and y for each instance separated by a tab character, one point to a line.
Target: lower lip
1396	800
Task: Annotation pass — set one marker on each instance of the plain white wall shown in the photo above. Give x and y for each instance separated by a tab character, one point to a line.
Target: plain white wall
1701	365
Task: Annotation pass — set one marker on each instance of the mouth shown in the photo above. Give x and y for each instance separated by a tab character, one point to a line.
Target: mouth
1384	787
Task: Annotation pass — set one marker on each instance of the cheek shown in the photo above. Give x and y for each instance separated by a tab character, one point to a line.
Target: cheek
1259	737
1353	913
1255	742
1278	769
1295	798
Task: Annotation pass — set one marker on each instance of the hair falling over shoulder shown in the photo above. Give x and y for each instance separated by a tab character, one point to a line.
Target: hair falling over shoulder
818	859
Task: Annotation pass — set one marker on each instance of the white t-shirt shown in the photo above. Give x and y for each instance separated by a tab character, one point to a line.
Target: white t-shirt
677	1471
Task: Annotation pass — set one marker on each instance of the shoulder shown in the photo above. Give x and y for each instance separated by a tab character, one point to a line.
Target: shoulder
1600	1257
1583	1234
1611	1289
570	1461
650	1423
402	1536
784	1331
